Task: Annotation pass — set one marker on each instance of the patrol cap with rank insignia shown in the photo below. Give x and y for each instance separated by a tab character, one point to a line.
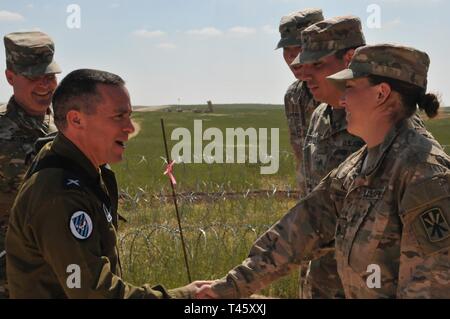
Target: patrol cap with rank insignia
329	36
388	60
30	53
292	25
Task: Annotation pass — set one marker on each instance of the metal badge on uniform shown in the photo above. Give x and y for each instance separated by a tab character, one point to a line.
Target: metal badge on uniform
107	212
81	225
435	224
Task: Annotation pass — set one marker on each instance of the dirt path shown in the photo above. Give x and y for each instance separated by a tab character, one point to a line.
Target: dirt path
137	129
137	126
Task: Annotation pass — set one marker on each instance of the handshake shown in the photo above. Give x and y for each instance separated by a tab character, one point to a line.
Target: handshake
200	289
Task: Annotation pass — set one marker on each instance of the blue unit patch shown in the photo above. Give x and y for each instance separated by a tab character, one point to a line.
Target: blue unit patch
81	225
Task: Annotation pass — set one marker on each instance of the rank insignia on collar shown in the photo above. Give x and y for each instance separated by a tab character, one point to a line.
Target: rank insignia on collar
75	182
435	224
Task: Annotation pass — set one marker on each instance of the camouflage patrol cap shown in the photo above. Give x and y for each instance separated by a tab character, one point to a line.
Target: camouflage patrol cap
326	37
30	53
389	60
292	25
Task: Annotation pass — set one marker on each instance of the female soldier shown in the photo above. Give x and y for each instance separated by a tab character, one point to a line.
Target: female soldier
386	209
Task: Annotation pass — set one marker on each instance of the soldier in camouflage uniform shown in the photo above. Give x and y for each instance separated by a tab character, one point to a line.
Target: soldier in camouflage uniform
385	209
298	101
327	47
63	224
30	70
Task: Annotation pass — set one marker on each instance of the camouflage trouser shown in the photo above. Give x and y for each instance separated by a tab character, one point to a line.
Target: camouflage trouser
3	287
321	280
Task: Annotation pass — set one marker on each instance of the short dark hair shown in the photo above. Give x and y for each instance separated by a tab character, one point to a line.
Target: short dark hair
411	95
78	91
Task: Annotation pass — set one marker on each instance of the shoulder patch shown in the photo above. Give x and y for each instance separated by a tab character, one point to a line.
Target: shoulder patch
81	225
435	224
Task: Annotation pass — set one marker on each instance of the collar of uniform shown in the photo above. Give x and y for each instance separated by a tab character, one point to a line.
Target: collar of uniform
302	84
16	111
307	91
386	144
336	118
64	147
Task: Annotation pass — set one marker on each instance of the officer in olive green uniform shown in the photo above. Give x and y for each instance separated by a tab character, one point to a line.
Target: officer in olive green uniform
62	238
298	101
386	211
29	58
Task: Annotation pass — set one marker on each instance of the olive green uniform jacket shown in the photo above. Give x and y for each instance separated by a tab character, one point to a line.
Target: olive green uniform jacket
62	239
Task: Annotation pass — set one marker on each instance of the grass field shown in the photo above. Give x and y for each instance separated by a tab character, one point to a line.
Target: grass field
221	215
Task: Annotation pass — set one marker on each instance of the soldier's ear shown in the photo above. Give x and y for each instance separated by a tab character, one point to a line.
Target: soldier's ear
384	91
73	118
348	56
9	76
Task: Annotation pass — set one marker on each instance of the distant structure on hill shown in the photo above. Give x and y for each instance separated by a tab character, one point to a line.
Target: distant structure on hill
209	109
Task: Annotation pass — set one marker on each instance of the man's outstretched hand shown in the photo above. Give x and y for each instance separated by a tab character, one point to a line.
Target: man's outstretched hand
206	292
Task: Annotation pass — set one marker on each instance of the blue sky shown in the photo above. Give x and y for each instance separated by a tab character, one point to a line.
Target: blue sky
191	51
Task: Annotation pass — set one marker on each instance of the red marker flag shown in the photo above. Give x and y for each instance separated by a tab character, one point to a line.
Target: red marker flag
169	172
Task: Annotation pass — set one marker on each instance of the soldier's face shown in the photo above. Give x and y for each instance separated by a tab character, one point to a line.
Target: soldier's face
33	93
289	54
360	102
107	130
315	76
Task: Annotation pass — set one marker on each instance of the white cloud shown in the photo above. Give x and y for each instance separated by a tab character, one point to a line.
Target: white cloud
268	29
241	31
208	32
8	16
148	34
30	6
166	45
114	5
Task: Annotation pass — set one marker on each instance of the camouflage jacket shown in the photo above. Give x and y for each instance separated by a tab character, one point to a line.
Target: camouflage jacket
299	105
389	225
18	132
327	144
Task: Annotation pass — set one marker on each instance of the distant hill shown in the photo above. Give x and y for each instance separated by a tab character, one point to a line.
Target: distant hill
247	106
234	106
